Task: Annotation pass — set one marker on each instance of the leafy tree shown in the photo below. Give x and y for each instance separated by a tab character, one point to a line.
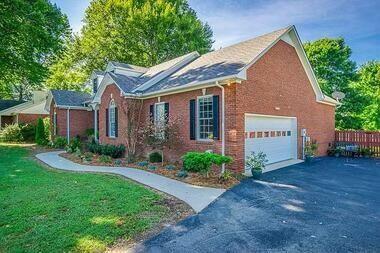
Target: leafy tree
32	33
330	59
368	88
140	32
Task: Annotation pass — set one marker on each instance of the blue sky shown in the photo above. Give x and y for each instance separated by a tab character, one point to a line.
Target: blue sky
236	20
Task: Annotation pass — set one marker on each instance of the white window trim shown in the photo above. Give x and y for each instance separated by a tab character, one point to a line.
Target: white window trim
197	125
112	104
155	115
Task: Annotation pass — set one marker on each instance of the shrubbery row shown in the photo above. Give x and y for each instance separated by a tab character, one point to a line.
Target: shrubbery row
107	149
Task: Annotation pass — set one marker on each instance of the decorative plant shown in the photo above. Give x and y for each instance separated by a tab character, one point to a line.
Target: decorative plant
59	142
311	148
155	157
40	133
142	164
105	159
117	162
182	174
202	161
152	167
170	167
226	175
366	152
256	161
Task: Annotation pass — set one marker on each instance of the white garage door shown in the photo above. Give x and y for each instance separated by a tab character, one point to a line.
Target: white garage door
275	136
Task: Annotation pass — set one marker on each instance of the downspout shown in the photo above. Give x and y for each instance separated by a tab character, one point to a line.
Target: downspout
68	125
223	119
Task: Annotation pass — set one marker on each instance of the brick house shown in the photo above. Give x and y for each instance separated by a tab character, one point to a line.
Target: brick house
23	112
70	115
257	95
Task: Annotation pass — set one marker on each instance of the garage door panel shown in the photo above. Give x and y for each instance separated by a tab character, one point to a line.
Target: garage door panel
274	136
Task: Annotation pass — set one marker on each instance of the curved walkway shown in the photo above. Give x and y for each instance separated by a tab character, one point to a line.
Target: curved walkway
197	197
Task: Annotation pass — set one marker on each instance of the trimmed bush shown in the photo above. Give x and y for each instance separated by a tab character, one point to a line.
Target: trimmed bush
59	142
107	149
75	144
202	162
105	159
170	167
47	129
152	167
28	132
182	174
142	164
11	133
155	157
40	133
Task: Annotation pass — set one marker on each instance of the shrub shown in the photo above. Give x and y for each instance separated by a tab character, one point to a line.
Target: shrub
226	175
155	157
110	150
47	129
142	164
59	142
90	132
88	156
11	133
28	132
170	167
256	161
105	159
202	162
117	162
182	174
78	153
152	167
40	133
75	144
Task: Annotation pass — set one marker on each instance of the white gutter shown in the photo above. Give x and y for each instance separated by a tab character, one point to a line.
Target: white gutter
223	119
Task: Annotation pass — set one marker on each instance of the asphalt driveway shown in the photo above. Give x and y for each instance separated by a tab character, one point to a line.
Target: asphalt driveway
330	206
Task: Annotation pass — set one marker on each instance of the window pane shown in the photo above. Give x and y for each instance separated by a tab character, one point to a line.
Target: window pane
205	118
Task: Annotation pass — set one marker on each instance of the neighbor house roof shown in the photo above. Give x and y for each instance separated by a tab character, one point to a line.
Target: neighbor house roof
5	103
67	98
129	66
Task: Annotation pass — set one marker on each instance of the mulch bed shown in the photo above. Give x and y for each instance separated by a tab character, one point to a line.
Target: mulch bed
213	179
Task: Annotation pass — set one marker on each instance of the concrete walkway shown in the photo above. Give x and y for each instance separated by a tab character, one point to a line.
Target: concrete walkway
197	197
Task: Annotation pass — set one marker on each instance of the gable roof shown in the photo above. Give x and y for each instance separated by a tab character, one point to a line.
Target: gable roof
191	71
7	103
128	66
68	98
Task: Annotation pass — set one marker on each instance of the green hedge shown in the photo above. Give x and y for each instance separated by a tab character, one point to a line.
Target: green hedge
107	149
202	161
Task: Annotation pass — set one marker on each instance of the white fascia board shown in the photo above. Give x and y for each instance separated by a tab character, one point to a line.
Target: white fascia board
167	72
193	86
74	107
107	80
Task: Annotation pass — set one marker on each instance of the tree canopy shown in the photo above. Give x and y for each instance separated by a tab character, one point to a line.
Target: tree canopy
32	33
139	32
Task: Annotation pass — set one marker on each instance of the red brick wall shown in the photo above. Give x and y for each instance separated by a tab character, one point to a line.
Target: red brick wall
276	80
279	80
30	118
80	121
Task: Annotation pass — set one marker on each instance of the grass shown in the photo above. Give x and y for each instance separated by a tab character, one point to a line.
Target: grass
43	210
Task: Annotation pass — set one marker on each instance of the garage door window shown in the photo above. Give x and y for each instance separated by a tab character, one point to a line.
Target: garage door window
205	118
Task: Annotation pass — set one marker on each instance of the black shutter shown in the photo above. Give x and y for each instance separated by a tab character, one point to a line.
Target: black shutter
166	112
106	122
151	113
192	119
116	123
215	116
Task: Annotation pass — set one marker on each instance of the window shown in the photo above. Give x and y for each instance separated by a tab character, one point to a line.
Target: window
289	133
205	118
112	119
159	118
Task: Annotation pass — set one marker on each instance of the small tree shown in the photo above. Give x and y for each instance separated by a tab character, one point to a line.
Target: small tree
132	110
160	136
40	132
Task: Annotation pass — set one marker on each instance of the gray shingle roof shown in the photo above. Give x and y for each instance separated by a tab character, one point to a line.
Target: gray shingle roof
70	98
5	103
129	66
99	72
220	63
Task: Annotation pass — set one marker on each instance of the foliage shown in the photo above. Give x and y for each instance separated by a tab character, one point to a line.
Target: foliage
11	133
88	156
155	157
47	128
202	161
28	132
72	212
330	59
256	161
40	133
143	33
118	162
367	99
107	149
365	152
142	163
105	159
170	167
311	148
59	142
90	132
152	167
226	175
182	174
32	34
74	144
132	109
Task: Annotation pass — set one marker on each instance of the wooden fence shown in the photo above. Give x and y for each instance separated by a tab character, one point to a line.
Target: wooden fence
365	139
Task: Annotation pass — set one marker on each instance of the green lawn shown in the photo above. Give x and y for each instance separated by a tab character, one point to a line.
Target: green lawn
43	210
